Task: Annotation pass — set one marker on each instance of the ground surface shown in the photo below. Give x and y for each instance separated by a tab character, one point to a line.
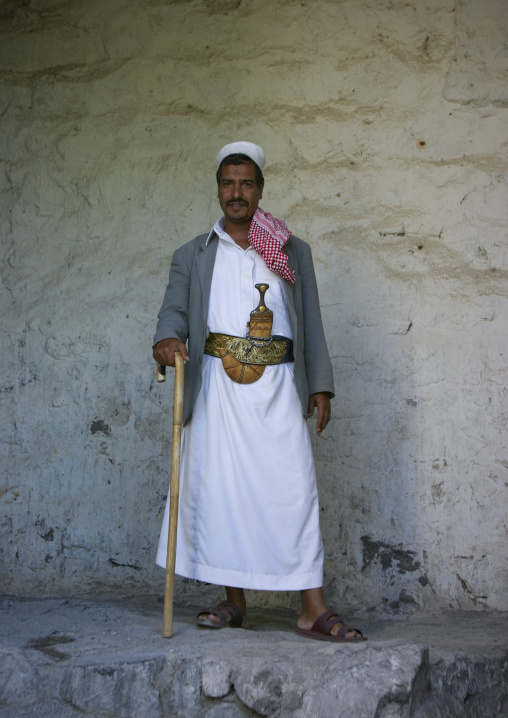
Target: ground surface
84	657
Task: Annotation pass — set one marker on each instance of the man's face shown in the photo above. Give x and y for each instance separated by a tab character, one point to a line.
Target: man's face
238	192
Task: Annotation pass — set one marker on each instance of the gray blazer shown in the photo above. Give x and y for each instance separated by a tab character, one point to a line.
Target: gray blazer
184	313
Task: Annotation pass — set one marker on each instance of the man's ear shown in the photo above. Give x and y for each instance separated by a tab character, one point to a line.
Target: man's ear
261	188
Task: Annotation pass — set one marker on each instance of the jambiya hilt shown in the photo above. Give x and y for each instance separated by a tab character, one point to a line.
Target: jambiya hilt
261	318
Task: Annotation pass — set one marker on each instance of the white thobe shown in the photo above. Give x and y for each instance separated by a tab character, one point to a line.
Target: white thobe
248	511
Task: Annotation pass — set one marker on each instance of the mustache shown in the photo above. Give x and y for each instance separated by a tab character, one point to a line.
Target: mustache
236	201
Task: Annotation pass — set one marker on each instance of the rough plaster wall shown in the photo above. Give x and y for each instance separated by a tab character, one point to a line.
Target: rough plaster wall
385	128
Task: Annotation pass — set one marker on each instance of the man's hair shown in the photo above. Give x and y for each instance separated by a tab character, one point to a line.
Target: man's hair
238	159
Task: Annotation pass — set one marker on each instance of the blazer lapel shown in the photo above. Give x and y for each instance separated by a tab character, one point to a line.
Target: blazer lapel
291	291
205	262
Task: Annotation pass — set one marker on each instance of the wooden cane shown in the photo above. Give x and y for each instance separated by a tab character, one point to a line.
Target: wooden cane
174	492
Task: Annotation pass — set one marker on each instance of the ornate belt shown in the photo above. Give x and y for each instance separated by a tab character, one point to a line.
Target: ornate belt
247	350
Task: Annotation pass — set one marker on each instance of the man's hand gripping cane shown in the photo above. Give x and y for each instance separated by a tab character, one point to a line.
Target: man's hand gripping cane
164	351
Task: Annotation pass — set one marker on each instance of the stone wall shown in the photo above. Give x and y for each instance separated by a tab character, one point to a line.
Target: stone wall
385	125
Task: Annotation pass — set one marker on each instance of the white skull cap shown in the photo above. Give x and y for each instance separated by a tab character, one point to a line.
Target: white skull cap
255	152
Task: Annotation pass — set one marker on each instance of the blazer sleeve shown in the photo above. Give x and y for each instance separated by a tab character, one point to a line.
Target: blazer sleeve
318	367
173	317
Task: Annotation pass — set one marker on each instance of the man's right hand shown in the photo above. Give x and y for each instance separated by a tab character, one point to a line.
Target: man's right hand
164	351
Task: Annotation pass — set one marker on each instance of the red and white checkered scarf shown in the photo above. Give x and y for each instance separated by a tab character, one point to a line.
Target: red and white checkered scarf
268	235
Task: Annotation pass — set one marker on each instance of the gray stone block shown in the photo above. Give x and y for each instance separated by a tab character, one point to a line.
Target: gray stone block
374	682
260	685
215	678
226	710
185	688
122	690
18	681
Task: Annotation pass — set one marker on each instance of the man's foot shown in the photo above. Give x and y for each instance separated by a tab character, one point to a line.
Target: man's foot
328	627
225	615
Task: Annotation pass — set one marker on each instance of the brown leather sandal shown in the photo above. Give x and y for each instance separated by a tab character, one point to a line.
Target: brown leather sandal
322	626
228	613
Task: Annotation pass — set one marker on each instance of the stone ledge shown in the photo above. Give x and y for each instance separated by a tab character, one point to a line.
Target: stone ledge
98	658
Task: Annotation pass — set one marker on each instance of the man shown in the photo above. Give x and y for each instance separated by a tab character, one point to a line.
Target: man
248	513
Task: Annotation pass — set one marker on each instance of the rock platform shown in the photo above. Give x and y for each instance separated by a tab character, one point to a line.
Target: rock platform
97	658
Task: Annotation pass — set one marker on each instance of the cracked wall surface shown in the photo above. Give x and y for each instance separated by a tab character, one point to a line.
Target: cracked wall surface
385	126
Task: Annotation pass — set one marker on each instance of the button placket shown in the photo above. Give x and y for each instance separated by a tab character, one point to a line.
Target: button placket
248	260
